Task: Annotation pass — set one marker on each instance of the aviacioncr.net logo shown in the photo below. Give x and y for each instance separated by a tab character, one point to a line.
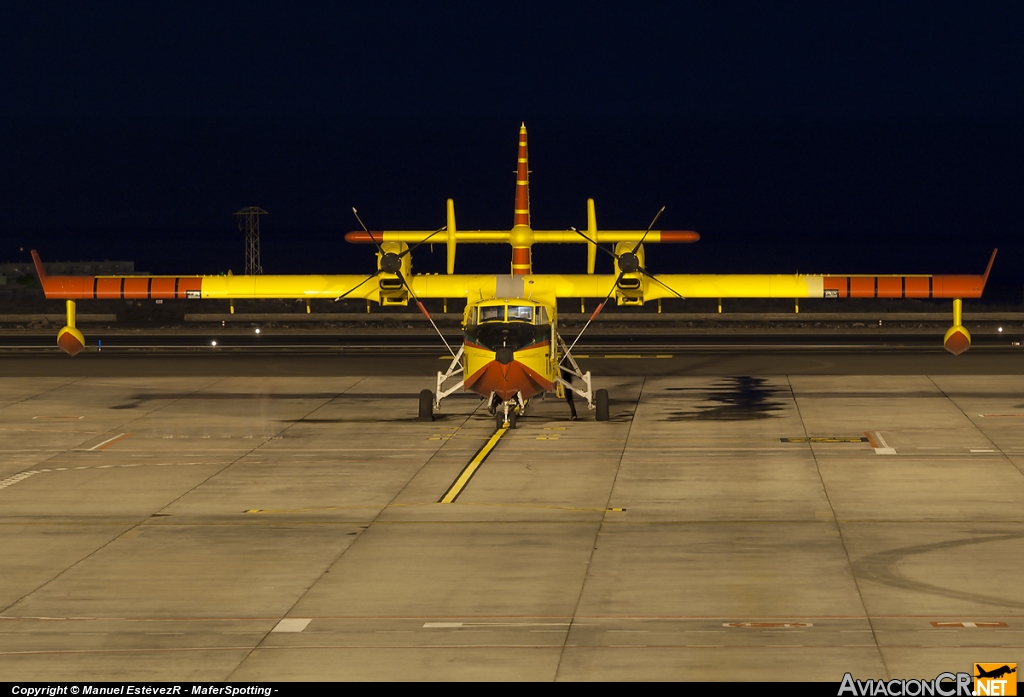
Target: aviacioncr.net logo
942	685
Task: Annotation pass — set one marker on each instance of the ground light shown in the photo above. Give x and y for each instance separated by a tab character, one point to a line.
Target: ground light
213	343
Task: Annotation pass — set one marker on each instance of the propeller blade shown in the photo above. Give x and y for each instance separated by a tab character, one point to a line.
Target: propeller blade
610	253
362	225
426	314
594	316
657	280
356	286
425	239
656	216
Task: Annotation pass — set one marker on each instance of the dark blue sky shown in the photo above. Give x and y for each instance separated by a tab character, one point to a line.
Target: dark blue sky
810	136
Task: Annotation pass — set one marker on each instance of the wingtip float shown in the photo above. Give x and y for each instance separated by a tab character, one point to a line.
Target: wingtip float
512	350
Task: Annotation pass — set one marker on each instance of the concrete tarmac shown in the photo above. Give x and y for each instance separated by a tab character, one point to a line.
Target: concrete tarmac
744	515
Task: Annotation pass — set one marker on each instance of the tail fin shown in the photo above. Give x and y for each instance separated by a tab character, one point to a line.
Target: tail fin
522	216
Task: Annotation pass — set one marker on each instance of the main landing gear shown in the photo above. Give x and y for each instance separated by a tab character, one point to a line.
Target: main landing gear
426	406
570	372
429	401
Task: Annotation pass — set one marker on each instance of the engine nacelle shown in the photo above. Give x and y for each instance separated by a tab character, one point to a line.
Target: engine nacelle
957	339
70	340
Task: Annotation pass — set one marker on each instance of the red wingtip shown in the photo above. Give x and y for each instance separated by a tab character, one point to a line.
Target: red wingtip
988	269
683	236
40	269
361	237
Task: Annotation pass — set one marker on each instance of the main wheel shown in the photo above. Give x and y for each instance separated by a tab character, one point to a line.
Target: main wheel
426	405
601	399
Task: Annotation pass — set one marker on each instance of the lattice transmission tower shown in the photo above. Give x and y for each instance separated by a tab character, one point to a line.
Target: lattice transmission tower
249	222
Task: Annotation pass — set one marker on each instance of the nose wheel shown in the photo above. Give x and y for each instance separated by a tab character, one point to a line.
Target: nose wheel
506	413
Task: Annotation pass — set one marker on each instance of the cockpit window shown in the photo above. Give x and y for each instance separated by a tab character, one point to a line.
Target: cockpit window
542	315
493	313
523	313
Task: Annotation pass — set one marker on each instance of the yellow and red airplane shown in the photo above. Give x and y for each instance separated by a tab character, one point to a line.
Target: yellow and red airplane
512	350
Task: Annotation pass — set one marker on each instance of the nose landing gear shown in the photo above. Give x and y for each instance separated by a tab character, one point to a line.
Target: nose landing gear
506	412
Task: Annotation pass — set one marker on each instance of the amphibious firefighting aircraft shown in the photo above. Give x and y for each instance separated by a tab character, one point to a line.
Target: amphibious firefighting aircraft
512	350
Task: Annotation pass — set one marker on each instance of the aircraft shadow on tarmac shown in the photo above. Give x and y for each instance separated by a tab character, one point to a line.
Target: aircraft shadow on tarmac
737	398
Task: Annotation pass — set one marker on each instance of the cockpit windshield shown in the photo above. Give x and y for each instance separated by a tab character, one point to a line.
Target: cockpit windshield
523	313
494	313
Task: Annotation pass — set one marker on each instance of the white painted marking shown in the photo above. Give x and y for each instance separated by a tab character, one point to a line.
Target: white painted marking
11	481
99	445
291	624
982	450
885	449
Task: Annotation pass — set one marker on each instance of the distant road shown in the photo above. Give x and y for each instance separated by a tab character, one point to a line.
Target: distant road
421	361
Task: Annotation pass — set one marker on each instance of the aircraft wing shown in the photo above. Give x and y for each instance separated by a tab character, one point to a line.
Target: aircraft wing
540	286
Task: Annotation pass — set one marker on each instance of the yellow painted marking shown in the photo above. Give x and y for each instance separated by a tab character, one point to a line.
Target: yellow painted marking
825	440
622	355
463	479
549	508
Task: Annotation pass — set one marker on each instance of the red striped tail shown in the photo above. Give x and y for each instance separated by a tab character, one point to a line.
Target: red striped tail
522	183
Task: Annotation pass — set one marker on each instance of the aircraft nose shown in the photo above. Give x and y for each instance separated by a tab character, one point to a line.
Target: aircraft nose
504	356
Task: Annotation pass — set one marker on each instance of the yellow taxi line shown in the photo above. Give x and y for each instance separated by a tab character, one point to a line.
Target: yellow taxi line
467	473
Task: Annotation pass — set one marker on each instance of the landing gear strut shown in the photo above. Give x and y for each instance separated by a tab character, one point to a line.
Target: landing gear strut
596	400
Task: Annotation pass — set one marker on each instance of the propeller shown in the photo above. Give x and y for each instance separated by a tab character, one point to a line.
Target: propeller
391	263
629	262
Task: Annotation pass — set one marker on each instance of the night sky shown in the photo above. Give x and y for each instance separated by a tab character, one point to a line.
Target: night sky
812	137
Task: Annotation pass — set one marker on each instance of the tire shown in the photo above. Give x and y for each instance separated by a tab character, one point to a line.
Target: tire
426	406
601	398
512	418
499	418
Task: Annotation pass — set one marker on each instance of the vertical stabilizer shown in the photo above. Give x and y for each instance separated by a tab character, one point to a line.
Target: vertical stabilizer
522	216
521	235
